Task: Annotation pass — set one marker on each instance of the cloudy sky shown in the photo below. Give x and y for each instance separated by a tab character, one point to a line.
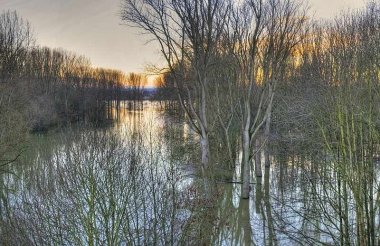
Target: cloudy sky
93	28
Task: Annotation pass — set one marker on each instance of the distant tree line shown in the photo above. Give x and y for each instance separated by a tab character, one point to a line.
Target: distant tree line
55	86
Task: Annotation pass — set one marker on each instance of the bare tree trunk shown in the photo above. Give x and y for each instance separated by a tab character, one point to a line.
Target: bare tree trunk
246	167
230	155
205	148
267	129
205	152
257	152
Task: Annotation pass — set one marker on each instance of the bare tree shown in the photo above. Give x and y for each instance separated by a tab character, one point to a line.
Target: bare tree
248	21
287	28
188	33
265	34
15	40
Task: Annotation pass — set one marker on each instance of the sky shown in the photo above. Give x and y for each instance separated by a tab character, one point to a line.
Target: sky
93	28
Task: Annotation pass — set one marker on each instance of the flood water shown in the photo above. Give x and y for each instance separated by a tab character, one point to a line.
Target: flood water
133	182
